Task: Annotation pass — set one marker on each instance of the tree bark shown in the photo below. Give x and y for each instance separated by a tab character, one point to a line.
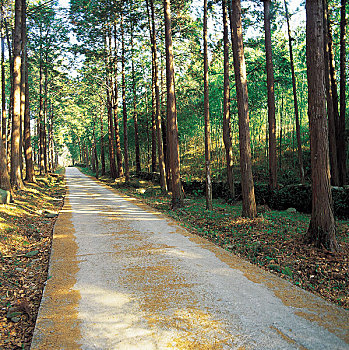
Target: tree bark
295	101
331	113
341	142
102	145
135	116
208	179
124	106
28	152
177	197
16	176
321	230
160	148
271	98
248	198
226	104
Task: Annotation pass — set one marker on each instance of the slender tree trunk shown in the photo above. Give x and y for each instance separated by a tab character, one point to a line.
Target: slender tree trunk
10	113
29	168
341	142
161	158
295	101
207	118
249	208
120	169
153	124
330	101
271	98
135	117
177	197
124	106
45	120
3	84
102	145
321	230
94	150
41	118
109	87
226	104
16	176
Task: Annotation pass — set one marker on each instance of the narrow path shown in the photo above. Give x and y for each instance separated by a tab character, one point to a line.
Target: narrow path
125	277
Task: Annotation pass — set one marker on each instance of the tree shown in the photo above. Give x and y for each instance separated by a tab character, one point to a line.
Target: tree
156	94
249	208
271	98
321	230
295	100
207	118
16	176
226	104
177	197
341	129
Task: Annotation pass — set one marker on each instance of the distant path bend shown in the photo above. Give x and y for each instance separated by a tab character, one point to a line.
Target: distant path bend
125	277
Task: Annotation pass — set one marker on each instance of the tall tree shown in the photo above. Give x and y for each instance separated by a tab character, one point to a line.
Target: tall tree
271	98
29	169
16	176
341	143
124	105
156	90
177	196
207	118
226	103
249	208
295	100
321	230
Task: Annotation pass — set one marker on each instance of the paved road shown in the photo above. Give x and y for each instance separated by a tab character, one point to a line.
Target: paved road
125	277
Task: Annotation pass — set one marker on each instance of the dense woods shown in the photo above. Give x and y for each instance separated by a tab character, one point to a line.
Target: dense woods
250	94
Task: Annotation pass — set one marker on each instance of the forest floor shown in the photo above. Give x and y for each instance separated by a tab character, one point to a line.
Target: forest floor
25	244
273	240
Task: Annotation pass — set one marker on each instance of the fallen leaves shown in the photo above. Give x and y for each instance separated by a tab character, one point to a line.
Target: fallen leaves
25	244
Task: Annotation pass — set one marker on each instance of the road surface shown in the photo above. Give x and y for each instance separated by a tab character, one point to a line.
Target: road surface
123	276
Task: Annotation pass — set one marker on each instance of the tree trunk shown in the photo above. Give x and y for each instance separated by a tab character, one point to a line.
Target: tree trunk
341	143
94	150
16	176
113	172
248	198
295	101
45	120
3	84
120	169
161	158
321	230
135	117
271	98
226	104
102	145
29	168
153	124
207	118
177	197
330	101
124	106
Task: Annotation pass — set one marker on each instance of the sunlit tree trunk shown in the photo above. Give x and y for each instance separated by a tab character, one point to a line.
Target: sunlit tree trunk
207	118
321	230
249	208
16	176
94	150
226	104
295	101
271	98
124	106
341	143
177	197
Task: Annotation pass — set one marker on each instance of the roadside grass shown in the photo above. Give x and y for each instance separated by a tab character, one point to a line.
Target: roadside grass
273	240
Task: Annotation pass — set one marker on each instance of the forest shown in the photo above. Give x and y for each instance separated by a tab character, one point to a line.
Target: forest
233	110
